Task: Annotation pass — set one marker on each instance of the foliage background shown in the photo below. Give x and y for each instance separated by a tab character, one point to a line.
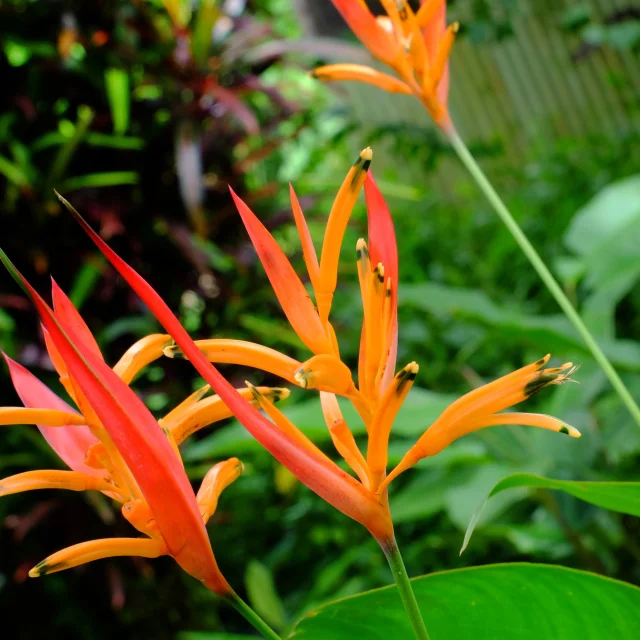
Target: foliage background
118	127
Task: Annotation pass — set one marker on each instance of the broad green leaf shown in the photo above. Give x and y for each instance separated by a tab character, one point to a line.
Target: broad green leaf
623	497
117	86
263	596
13	173
495	602
206	18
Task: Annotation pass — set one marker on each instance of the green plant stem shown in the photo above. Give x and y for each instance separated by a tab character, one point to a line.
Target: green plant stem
251	616
401	578
543	271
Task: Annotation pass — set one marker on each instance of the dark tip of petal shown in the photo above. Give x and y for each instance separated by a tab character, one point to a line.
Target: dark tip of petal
42	568
539	382
406	375
174	351
564	429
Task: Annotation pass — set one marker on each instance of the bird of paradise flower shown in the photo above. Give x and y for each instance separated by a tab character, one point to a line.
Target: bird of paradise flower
380	391
114	445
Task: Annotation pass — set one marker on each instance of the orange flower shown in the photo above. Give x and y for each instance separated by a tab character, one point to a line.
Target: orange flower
114	445
379	393
416	45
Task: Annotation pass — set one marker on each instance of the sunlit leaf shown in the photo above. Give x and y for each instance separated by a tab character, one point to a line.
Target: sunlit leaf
495	602
623	497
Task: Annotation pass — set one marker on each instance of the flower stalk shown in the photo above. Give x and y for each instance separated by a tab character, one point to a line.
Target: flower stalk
396	564
543	271
251	616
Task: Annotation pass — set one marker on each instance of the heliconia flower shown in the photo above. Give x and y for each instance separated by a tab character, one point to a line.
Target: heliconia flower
114	445
379	394
416	45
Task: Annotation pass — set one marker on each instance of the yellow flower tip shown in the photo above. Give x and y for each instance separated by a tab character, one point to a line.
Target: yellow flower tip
361	165
406	375
362	251
201	393
543	361
570	431
325	372
455	27
173	351
42	569
279	393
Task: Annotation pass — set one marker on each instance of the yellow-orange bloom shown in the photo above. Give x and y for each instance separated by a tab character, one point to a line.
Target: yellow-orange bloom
415	45
378	394
114	445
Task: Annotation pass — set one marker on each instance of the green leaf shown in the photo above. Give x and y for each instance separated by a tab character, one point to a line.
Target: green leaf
206	19
623	497
13	173
263	596
495	602
106	179
117	86
546	332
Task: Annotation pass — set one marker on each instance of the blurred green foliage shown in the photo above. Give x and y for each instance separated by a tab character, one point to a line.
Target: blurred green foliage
101	122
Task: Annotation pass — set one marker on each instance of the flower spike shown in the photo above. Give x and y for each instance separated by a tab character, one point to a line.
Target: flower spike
146	450
361	73
323	477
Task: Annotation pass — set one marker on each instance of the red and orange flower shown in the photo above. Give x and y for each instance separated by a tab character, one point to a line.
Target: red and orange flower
415	45
380	391
114	445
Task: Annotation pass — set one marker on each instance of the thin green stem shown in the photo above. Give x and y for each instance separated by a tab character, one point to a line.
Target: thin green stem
543	271
399	572
251	616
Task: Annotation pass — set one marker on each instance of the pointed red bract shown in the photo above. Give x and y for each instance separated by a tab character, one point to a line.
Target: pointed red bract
384	248
70	443
323	477
288	288
66	312
143	446
382	237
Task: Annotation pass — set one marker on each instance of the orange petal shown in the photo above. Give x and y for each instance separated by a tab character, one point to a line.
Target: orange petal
140	354
361	73
334	232
215	482
54	479
327	373
390	403
342	437
142	444
48	417
324	478
284	424
308	250
477	408
243	353
98	550
185	421
291	293
365	27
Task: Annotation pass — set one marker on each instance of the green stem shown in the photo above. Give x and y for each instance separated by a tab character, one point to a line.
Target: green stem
543	271
399	572
251	616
